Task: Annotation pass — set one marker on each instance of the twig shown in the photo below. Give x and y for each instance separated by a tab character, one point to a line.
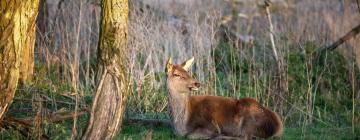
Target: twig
358	5
300	110
267	5
74	128
353	32
30	100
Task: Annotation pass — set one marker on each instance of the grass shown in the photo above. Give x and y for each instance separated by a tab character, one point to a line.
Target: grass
319	133
331	112
137	132
332	109
161	132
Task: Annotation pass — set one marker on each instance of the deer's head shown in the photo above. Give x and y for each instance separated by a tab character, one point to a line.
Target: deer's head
178	77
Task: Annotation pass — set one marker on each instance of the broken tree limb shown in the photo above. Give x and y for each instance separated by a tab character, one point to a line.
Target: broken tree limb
23	127
152	122
53	118
351	34
68	116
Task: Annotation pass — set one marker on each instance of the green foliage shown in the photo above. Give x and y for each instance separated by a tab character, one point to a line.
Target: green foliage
326	82
227	58
144	98
137	132
47	88
232	71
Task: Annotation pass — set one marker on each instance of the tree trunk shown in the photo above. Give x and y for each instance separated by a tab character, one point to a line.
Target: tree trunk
109	100
17	35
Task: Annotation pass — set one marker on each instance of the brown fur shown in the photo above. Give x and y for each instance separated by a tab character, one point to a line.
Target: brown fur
215	117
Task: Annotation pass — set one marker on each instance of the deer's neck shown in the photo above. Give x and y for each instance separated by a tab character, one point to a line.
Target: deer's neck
179	112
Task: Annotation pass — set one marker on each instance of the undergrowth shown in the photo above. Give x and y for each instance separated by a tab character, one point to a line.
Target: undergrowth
331	97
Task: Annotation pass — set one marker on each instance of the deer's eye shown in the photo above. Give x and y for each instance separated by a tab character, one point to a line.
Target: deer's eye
176	75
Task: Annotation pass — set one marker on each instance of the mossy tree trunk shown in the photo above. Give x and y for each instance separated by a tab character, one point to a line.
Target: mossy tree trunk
109	100
17	37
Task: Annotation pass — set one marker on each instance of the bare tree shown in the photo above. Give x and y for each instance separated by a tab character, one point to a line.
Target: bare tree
109	100
17	37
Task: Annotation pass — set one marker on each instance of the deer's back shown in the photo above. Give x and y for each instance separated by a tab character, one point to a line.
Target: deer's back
232	117
215	113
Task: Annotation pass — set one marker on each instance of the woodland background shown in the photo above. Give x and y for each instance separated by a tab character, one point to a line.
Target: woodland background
316	92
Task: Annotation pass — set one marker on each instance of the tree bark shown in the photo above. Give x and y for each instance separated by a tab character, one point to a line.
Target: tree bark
17	35
109	100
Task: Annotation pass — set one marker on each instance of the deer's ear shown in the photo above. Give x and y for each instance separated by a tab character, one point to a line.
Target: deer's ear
169	66
187	64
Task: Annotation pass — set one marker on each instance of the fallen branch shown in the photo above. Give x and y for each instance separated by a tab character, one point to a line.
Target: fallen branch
24	126
152	122
21	126
58	117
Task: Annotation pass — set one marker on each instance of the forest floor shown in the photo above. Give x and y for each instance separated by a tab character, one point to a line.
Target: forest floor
161	132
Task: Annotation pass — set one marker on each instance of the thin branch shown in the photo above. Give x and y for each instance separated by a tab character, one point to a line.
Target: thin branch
358	5
267	5
353	32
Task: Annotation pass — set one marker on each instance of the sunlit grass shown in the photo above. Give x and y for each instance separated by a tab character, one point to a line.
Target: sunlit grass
136	132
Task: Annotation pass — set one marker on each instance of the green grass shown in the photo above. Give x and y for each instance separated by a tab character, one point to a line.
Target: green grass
162	132
137	132
319	133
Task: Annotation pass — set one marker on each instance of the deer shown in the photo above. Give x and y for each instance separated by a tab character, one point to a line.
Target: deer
214	117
